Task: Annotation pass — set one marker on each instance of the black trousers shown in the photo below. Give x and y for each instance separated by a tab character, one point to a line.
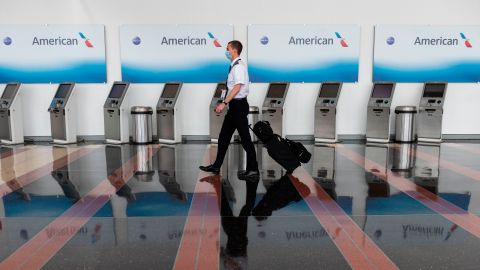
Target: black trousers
236	119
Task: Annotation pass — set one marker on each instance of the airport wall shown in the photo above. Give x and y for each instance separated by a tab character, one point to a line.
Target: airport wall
461	106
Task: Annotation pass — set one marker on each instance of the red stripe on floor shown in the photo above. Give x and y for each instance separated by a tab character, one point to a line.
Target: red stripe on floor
455	214
14	184
43	246
356	247
199	247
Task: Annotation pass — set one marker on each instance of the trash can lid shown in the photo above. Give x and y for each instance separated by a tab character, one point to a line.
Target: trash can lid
253	109
142	110
405	109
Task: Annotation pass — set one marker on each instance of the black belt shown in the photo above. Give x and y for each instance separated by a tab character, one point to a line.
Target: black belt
239	99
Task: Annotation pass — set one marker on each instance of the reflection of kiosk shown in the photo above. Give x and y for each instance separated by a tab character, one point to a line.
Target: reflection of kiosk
62	176
426	173
273	107
429	128
326	112
324	168
167	172
216	119
115	157
376	175
63	115
11	115
378	112
168	119
115	113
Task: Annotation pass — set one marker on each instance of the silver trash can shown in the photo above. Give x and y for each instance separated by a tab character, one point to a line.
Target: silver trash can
142	124
252	120
405	123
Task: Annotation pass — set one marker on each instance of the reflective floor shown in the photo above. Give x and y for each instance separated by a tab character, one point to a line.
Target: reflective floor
353	206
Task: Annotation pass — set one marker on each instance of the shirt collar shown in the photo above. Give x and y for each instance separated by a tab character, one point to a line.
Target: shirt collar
234	60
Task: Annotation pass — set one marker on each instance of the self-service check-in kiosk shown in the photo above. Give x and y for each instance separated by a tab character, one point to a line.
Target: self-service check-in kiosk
378	112
326	112
429	128
273	106
216	119
63	115
116	114
168	119
11	119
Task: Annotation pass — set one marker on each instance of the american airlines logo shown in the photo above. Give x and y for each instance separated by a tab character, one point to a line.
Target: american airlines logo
318	40
190	41
442	41
62	41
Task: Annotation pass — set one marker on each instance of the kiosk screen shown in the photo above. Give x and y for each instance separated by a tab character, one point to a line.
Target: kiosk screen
277	90
329	90
382	90
218	91
170	90
63	90
117	90
434	90
9	91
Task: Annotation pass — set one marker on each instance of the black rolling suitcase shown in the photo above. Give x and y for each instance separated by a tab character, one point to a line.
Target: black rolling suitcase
287	153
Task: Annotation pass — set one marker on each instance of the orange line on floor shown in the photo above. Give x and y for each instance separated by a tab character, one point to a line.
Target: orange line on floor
452	166
357	248
455	214
35	253
14	182
199	247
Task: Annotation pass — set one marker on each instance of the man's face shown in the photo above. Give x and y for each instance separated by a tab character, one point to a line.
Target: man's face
230	49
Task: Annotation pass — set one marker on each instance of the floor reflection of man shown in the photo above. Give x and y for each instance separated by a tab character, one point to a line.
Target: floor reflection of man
278	196
234	254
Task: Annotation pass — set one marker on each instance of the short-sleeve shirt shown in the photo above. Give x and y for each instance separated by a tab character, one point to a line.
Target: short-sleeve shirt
238	75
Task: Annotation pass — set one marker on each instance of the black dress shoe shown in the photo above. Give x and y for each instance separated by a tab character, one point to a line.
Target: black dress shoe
248	175
210	168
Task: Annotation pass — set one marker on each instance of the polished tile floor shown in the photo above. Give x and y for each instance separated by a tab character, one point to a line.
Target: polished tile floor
149	207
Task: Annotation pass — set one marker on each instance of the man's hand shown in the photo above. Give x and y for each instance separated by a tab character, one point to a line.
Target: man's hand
220	107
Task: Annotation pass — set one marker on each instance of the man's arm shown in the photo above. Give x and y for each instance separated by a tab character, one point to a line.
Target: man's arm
233	93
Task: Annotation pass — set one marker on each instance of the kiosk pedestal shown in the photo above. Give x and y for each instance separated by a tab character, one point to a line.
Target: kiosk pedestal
216	119
11	115
116	114
273	106
326	112
378	112
168	118
429	128
63	115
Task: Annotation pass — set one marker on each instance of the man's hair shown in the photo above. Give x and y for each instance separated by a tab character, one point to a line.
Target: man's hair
237	45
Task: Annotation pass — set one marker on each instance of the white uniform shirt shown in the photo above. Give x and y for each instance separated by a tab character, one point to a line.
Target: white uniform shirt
238	75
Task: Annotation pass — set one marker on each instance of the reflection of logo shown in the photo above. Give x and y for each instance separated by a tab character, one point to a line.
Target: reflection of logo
342	40
467	41
87	41
390	40
136	40
215	40
264	40
7	41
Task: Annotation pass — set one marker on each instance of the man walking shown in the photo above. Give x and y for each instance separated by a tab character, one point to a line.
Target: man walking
236	117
